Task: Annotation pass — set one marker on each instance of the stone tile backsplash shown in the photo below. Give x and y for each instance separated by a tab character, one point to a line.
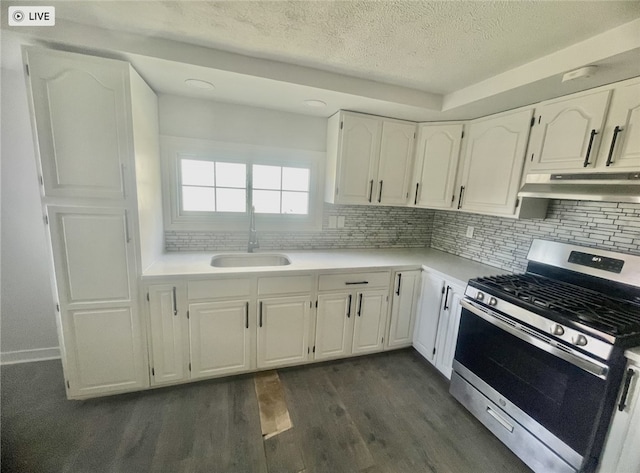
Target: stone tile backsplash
497	241
365	227
504	242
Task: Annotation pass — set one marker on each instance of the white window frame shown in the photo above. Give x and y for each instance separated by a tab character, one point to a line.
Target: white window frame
173	148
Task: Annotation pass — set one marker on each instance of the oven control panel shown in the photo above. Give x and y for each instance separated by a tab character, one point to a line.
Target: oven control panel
612	265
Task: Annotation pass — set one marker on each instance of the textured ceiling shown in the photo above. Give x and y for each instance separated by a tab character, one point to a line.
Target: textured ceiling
432	46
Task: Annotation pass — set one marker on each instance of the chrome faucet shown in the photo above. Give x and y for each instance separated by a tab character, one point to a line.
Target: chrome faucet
253	235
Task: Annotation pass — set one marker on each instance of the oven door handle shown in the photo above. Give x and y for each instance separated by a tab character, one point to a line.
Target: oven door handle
591	367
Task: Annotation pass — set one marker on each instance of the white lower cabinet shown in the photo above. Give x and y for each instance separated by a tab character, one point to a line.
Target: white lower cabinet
334	329
438	319
351	320
168	333
283	331
369	321
219	333
621	453
404	305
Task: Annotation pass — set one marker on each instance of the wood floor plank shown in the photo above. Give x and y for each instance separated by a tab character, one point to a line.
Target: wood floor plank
386	413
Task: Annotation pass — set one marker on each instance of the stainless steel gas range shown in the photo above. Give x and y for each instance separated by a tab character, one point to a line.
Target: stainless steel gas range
540	356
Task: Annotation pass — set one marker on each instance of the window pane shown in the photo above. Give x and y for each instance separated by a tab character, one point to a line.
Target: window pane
231	200
295	179
266	202
197	173
295	203
266	177
198	199
231	175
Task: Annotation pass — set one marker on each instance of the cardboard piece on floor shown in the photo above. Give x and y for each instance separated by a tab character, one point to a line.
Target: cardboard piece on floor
274	415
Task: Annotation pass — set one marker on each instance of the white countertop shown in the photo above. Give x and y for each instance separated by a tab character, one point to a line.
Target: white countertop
192	264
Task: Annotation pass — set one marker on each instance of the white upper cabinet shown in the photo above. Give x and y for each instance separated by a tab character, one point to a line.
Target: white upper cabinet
396	159
437	155
369	159
82	122
567	132
620	147
493	163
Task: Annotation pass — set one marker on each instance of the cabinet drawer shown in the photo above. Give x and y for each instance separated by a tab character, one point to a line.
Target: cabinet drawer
285	285
331	282
216	288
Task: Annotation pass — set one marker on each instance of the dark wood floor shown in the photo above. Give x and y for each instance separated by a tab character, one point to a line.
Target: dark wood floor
382	413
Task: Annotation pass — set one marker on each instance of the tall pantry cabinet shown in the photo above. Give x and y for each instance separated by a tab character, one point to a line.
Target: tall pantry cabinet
95	122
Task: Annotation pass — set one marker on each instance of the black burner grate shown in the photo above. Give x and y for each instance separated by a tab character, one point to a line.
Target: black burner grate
590	308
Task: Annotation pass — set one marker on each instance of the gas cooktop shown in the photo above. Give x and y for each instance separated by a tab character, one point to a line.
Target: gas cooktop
565	302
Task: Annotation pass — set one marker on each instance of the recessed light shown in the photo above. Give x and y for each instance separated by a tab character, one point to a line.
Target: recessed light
315	103
199	84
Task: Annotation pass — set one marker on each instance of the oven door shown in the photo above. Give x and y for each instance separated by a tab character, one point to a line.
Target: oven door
559	389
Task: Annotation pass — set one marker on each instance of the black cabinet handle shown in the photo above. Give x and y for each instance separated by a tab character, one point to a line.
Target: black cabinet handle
349	307
380	193
625	390
370	189
260	313
246	315
357	282
175	303
446	296
415	201
586	157
616	130
360	306
460	197
399	278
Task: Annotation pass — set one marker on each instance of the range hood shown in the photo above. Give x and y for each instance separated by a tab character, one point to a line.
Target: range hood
598	186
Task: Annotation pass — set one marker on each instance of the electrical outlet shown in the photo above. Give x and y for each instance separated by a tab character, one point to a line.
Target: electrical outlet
470	232
341	221
333	221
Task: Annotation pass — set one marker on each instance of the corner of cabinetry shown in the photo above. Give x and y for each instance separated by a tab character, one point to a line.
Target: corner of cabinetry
331	160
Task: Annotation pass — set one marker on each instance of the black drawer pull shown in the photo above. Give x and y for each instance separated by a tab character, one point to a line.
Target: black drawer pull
625	390
616	130
591	138
357	282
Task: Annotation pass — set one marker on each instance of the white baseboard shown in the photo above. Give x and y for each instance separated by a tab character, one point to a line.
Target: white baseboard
26	356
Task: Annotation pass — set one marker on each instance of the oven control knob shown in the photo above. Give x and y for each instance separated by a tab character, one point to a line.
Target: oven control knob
493	301
480	296
579	340
557	330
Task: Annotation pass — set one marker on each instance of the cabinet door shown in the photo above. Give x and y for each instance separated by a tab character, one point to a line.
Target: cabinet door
494	160
395	164
437	159
426	330
95	274
358	158
169	348
220	338
567	135
80	107
621	138
403	309
334	325
448	329
621	453
370	321
283	331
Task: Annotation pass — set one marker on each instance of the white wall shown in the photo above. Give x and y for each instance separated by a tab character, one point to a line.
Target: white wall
194	118
27	316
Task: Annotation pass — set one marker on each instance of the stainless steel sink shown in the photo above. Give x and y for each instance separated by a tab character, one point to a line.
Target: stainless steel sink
243	260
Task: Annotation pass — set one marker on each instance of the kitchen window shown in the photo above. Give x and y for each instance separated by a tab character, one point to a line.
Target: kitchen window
214	185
